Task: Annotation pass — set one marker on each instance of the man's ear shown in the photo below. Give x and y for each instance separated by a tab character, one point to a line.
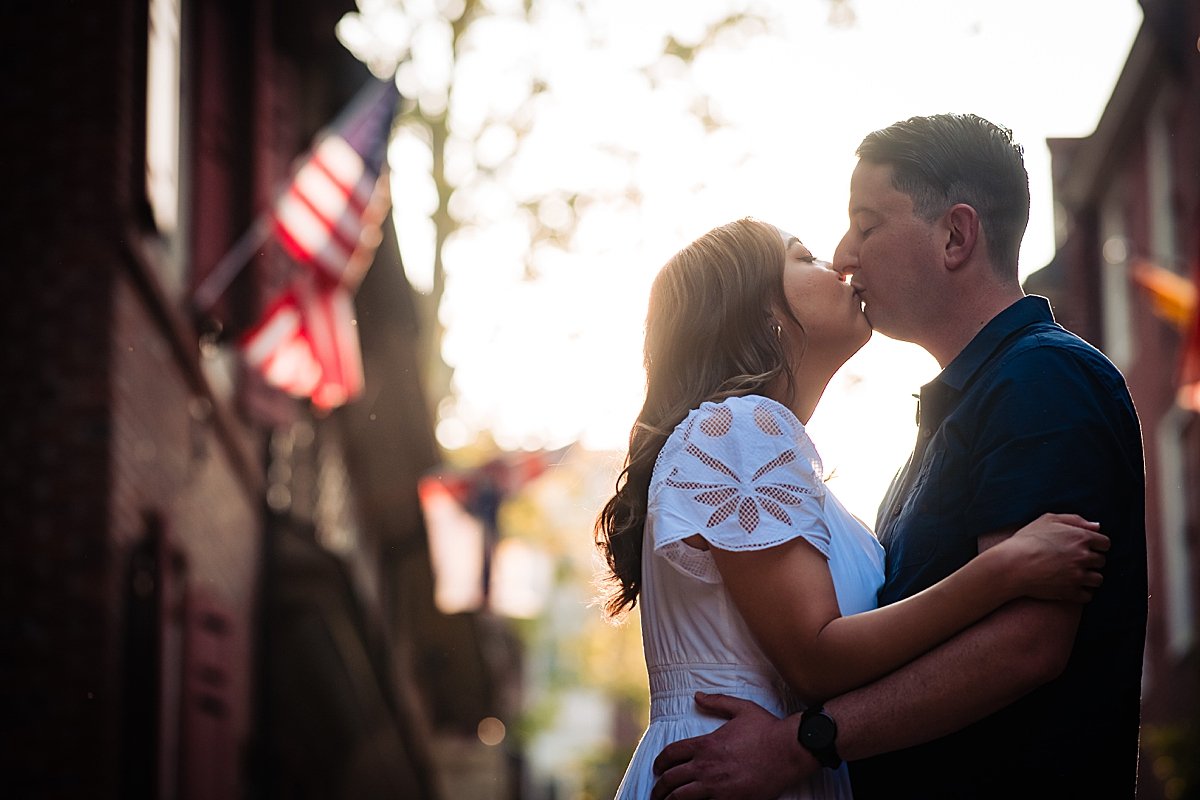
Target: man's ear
962	224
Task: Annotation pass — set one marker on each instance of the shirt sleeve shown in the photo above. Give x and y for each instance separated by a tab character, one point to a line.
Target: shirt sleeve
1053	438
744	475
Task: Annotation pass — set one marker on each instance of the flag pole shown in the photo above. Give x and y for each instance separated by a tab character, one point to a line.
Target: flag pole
225	270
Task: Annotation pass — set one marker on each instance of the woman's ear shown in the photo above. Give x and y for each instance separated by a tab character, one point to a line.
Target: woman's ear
962	223
774	325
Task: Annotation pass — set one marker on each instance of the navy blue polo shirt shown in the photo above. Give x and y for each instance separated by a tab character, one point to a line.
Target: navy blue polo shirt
1028	419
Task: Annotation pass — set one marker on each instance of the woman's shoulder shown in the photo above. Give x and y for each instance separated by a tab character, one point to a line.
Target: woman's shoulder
747	430
751	414
742	473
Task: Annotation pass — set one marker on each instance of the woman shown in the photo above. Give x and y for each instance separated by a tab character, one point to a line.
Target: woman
754	580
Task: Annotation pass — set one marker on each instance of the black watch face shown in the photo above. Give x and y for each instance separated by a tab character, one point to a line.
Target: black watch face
817	732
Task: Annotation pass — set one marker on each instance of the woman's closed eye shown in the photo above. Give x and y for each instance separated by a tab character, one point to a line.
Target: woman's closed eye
802	253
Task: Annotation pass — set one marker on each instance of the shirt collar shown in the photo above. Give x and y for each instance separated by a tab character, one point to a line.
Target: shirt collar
1026	311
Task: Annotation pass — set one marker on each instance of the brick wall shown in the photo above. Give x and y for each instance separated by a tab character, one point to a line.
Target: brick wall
65	116
109	445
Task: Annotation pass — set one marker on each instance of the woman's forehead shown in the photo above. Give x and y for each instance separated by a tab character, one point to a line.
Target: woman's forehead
788	238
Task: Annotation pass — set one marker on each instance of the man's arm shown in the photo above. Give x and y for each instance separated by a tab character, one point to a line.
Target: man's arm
983	669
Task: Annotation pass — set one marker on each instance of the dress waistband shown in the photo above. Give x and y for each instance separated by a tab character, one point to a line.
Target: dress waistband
672	688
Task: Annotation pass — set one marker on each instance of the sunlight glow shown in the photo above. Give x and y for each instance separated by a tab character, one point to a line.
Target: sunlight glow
764	123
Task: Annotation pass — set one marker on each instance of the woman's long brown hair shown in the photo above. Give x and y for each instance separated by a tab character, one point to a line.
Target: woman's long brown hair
712	332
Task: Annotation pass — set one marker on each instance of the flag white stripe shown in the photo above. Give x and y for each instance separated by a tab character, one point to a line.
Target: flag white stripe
338	205
330	200
284	324
294	369
311	232
339	159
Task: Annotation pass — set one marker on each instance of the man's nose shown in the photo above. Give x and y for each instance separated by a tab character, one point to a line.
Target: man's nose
845	259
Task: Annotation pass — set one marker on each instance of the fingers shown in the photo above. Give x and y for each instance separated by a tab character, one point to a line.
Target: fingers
673	755
1092	538
1073	523
717	705
676	784
1084	590
1090	577
1074	520
678	776
722	705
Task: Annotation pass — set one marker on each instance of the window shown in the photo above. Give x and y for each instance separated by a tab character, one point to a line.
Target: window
1160	185
163	126
1176	558
1114	279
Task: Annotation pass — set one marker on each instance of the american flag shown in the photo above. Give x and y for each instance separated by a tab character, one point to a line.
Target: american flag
328	220
321	218
307	344
1188	395
461	511
1176	299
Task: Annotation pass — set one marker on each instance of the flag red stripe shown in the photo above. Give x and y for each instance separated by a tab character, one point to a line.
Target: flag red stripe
293	247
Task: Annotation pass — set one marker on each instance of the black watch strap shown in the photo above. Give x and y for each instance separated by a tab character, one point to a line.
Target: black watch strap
818	734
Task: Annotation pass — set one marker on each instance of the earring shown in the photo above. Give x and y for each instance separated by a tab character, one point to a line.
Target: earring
778	330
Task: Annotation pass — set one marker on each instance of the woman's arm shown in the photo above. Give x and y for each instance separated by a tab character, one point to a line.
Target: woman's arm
786	596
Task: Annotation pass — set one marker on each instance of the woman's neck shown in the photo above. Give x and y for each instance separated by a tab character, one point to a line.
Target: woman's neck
808	385
808	394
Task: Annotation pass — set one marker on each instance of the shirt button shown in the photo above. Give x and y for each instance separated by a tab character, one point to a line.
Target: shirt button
927	433
896	511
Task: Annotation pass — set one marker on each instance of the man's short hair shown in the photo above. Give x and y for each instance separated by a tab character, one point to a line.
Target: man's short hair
946	159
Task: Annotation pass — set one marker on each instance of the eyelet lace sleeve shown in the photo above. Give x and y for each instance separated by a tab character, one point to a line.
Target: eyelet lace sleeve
743	474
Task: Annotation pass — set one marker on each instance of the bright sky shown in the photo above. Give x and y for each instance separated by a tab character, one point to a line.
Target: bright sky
557	359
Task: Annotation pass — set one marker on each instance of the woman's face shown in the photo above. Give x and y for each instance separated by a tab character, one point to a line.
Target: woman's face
825	304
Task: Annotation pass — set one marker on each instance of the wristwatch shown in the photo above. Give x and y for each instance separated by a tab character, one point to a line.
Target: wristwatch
818	734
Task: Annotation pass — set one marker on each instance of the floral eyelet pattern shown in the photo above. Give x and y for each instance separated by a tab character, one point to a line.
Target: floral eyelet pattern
767	490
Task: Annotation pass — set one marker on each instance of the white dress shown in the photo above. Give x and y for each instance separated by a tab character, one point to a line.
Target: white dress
744	475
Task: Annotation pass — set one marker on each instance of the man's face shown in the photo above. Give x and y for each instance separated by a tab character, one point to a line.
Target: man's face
890	254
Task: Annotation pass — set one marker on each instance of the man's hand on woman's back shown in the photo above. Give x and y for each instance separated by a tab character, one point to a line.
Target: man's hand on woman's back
754	755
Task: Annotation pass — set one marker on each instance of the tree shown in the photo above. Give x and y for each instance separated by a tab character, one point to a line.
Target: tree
488	87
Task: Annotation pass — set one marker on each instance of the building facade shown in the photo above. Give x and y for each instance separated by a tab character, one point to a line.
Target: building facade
1124	277
209	591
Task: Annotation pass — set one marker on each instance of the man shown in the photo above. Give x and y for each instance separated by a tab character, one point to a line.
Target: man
1040	699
